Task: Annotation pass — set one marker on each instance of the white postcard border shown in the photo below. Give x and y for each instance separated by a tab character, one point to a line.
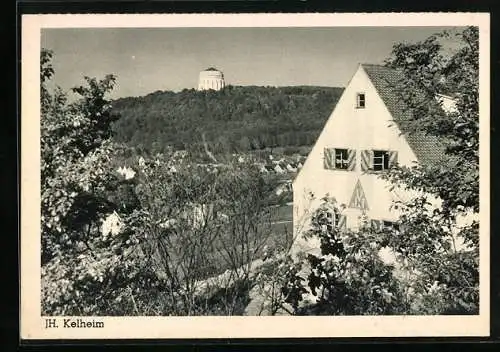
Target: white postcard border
33	325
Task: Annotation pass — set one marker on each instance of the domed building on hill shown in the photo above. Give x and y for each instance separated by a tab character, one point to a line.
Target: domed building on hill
211	78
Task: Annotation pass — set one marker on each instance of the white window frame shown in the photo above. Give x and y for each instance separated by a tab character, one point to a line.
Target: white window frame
385	160
331	218
341	163
360	95
387	224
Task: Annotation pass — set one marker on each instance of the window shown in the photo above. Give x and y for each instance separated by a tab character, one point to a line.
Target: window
360	101
339	159
380	160
389	225
380	225
331	219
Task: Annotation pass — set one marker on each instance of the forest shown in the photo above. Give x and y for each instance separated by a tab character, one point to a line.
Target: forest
234	120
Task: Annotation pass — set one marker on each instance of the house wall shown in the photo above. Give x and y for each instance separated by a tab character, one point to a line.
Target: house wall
359	129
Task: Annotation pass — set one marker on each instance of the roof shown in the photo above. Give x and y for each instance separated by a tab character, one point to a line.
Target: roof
211	69
427	148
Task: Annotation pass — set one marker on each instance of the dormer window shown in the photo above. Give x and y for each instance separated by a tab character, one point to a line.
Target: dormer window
360	101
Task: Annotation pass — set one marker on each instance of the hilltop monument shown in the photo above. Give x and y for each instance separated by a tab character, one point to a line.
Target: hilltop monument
211	78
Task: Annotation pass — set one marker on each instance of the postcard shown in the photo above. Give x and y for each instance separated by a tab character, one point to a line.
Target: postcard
254	175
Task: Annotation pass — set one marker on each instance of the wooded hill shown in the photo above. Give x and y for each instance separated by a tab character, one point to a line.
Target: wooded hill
236	119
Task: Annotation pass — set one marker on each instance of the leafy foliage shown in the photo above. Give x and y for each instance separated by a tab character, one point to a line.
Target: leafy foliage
82	266
180	237
435	242
429	71
73	154
143	242
347	277
455	181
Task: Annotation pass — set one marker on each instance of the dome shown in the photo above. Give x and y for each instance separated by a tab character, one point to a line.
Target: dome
211	78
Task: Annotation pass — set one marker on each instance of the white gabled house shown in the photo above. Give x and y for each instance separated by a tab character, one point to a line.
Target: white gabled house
363	135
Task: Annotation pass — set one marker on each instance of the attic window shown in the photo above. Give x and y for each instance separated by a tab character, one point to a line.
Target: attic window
360	101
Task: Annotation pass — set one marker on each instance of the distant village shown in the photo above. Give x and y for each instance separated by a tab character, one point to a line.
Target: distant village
285	167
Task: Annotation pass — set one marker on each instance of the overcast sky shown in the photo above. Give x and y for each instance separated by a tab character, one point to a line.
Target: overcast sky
146	60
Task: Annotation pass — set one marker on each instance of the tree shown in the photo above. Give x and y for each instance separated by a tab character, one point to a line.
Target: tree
147	243
429	71
433	274
85	265
455	181
347	277
243	118
202	227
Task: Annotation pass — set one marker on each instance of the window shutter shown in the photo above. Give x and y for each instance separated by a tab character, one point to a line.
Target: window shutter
366	160
341	222
351	159
393	158
329	158
377	225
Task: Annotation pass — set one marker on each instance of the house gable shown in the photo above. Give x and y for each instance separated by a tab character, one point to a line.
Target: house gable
368	119
359	128
426	149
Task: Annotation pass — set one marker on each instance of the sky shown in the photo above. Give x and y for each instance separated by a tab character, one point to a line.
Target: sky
150	59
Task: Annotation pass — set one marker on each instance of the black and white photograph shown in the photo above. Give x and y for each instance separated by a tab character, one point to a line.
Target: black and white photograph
254	171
